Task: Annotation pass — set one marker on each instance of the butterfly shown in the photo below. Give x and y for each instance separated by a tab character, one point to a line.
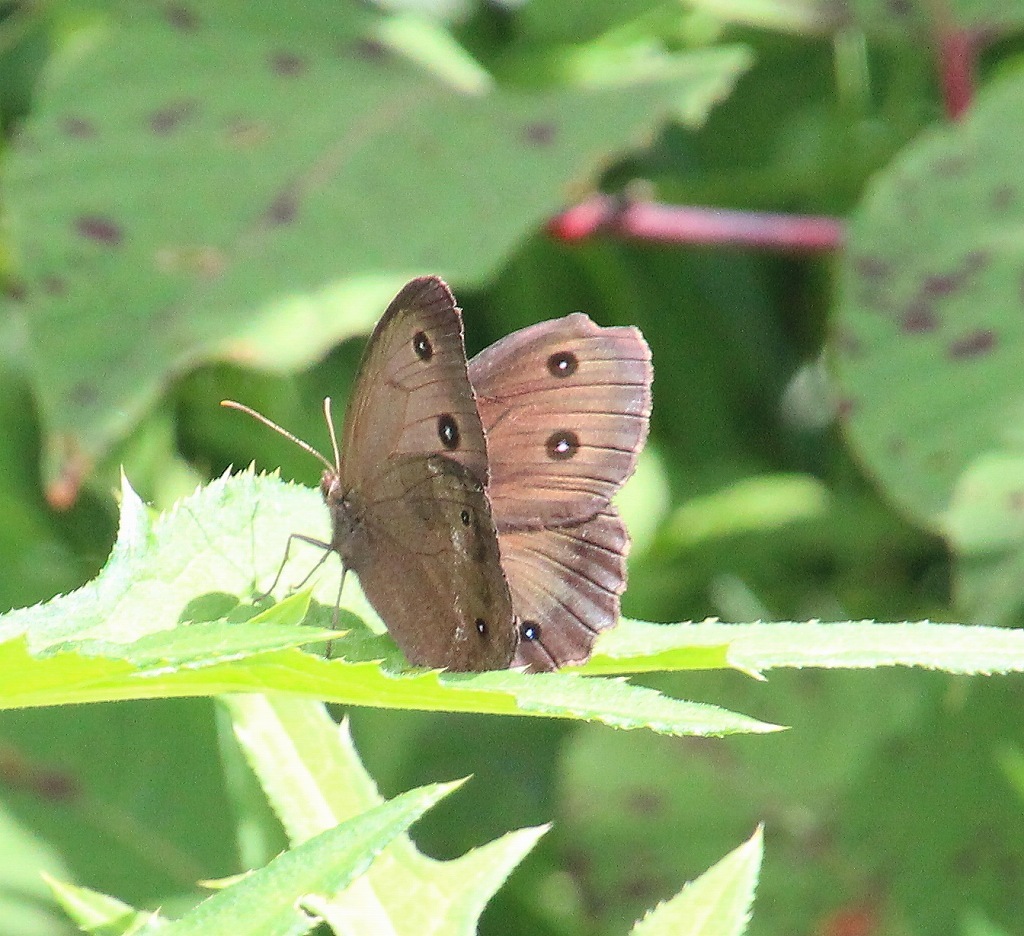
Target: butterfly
472	499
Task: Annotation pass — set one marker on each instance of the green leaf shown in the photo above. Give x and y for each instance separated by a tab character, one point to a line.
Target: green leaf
930	338
231	254
126	635
929	334
98	913
908	20
71	677
718	903
164	573
755	648
314	779
122	636
269	901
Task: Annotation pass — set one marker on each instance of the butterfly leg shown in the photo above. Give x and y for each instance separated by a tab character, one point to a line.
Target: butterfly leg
337	607
326	547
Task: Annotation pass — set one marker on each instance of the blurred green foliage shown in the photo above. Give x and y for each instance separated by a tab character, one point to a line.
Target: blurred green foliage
209	201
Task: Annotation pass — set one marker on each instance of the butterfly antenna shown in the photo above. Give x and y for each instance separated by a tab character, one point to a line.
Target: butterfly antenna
334	442
305	446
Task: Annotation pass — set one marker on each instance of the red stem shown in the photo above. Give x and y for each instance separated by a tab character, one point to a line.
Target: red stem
678	224
957	59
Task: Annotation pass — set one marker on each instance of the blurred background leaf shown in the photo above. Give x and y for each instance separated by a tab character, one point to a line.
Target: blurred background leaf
215	200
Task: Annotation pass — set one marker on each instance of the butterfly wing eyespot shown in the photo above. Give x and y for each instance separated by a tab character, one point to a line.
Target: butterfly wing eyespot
562	445
422	346
448	432
563	364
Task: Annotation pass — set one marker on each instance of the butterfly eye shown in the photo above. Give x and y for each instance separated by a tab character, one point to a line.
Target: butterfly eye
530	630
563	364
464	517
448	431
562	445
481	626
422	346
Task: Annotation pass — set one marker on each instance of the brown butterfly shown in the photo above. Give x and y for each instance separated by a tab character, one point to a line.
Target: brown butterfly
438	520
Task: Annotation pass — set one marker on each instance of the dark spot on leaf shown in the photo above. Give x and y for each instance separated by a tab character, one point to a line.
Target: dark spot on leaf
78	127
14	290
530	630
941	285
975	262
1003	197
84	394
973	344
287	63
99	229
57	786
1016	500
283	209
965	862
900	7
563	364
372	50
844	408
850	344
919	317
181	17
643	886
871	267
873	298
54	285
448	431
897	446
951	165
168	119
645	803
539	133
562	445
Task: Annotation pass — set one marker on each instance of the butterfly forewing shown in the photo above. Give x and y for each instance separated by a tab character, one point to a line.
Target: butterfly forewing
412	394
565	406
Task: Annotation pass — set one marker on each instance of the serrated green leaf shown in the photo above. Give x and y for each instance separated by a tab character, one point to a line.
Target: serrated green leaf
160	571
718	903
314	779
269	901
99	913
120	637
755	648
69	677
83	647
